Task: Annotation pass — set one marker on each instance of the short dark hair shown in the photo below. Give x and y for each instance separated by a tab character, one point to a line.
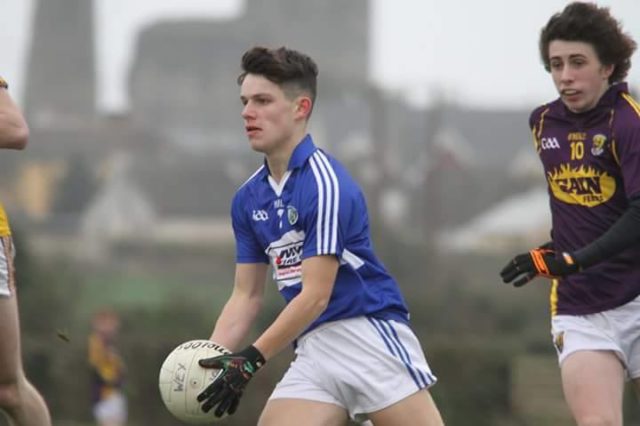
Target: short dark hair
589	23
293	71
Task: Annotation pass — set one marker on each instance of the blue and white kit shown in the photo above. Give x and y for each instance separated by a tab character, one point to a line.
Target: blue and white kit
317	209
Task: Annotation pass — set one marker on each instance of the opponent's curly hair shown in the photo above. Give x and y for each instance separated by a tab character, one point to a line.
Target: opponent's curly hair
589	23
293	71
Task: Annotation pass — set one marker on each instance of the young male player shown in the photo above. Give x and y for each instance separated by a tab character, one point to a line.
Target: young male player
19	400
303	213
589	143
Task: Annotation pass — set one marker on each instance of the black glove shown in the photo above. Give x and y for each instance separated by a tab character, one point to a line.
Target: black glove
225	391
538	262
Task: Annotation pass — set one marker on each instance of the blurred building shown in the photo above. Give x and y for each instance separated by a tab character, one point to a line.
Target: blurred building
422	170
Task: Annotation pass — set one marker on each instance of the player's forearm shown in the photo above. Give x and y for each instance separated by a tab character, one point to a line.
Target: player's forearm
291	322
234	323
622	235
14	131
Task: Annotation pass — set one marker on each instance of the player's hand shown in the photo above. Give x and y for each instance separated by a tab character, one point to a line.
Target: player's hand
538	262
225	391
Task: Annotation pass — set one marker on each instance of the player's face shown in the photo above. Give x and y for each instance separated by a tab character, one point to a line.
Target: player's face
579	76
269	115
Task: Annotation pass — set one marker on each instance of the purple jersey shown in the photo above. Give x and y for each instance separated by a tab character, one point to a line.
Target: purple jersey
592	165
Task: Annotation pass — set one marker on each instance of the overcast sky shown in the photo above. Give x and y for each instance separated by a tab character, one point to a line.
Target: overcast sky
482	54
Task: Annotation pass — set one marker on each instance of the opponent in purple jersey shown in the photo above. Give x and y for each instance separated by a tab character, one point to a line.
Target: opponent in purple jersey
19	400
589	143
302	213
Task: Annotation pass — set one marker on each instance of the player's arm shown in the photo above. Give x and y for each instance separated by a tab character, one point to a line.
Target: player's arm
243	306
546	262
318	277
622	235
14	131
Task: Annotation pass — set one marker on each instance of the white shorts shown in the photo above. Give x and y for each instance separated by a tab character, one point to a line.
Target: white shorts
616	330
361	364
111	409
7	273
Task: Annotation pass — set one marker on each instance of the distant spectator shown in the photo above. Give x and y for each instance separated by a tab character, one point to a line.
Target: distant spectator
109	401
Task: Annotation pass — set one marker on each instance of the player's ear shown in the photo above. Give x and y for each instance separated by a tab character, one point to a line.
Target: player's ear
303	107
607	70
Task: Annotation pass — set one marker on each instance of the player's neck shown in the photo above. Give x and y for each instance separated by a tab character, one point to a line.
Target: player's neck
278	160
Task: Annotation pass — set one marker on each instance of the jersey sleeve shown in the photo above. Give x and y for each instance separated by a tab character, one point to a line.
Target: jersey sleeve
327	208
248	249
627	151
536	123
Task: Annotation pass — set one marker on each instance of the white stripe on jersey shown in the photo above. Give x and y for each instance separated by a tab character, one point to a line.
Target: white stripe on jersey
351	259
320	185
252	176
327	232
333	240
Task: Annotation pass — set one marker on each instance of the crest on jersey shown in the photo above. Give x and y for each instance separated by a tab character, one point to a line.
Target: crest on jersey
292	215
597	148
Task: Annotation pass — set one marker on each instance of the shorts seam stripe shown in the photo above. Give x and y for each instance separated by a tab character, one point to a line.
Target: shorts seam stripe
381	329
426	381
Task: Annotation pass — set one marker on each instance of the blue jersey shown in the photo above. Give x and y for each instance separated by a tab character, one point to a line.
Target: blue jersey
316	209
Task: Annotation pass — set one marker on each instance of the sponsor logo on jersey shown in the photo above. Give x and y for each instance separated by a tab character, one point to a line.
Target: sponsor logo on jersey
549	143
597	148
577	137
260	215
286	257
584	186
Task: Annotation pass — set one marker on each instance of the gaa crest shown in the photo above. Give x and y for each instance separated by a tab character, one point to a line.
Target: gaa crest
292	215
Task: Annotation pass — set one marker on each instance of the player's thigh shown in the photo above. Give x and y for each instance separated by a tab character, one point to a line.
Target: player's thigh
296	412
417	409
593	385
9	328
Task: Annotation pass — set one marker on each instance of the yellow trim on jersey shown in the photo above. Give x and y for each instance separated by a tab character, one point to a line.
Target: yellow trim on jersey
537	132
4	223
632	102
613	151
553	297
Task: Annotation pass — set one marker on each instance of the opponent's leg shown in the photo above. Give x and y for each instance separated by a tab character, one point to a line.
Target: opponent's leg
593	384
18	398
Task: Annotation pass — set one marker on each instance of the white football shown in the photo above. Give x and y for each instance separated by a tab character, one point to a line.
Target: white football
182	379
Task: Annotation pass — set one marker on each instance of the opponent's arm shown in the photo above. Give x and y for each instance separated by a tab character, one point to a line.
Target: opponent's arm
14	131
318	278
622	235
548	263
244	304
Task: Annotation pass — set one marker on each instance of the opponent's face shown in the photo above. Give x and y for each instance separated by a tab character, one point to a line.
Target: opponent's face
579	76
270	117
